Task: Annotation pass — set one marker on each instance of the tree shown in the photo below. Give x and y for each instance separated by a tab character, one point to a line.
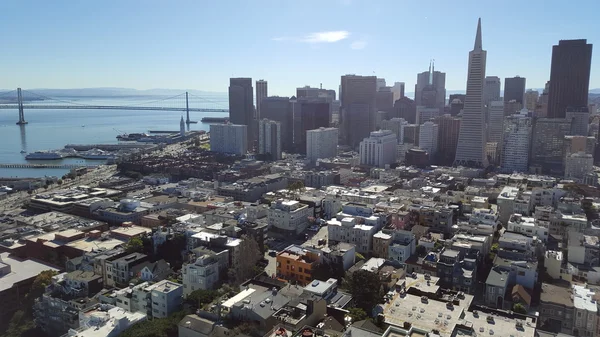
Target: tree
357	314
248	257
158	327
421	250
365	288
519	308
135	244
200	297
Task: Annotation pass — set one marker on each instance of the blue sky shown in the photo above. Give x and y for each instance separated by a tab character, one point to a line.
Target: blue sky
199	44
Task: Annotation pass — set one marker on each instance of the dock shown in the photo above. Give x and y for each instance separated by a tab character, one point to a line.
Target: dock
108	147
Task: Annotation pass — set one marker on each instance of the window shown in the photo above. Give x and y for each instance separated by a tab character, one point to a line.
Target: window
521	273
300	269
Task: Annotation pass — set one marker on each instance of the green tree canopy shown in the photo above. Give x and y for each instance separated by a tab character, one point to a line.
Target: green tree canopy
365	287
357	314
519	308
135	244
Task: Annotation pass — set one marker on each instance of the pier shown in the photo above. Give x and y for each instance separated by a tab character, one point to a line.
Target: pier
108	147
48	166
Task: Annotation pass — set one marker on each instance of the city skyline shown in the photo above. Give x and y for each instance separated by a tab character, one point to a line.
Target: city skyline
189	52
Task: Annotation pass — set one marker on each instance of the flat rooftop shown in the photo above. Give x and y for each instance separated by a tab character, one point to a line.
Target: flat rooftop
20	270
131	231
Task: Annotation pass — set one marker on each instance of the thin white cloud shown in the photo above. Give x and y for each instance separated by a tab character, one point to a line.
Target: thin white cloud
318	37
358	44
326	37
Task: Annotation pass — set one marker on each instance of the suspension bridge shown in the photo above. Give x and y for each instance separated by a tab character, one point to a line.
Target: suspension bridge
14	100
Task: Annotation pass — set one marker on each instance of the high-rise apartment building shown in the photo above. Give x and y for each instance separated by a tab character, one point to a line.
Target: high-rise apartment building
491	89
428	138
229	138
396	125
471	141
448	130
241	105
358	107
261	92
496	122
321	143
514	88
569	76
398	90
379	149
515	144
430	90
269	138
280	109
531	99
546	155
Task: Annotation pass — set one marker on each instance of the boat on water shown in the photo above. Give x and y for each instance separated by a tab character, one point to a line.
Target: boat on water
96	154
131	136
44	155
23	151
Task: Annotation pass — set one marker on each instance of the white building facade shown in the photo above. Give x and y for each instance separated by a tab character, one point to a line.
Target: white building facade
321	143
269	138
203	274
229	138
428	138
289	216
379	149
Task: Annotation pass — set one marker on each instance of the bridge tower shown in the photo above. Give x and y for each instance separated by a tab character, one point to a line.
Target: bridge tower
187	109
20	105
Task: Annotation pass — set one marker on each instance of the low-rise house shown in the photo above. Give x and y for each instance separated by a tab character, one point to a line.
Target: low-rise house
201	274
528	226
152	271
296	263
119	270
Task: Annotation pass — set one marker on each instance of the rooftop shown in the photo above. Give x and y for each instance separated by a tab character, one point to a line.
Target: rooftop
557	294
20	270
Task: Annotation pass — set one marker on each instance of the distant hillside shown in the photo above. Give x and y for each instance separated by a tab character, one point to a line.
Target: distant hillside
108	92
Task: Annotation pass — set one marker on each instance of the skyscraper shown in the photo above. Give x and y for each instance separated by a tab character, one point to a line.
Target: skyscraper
514	88
491	89
430	90
448	130
471	140
496	124
515	144
404	108
546	154
269	138
530	99
428	138
321	143
261	92
309	114
358	107
241	105
385	99
280	109
380	83
569	76
396	125
229	138
398	90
